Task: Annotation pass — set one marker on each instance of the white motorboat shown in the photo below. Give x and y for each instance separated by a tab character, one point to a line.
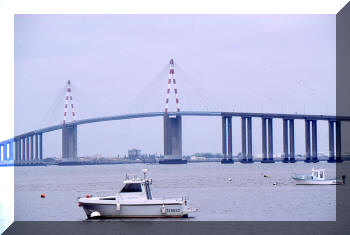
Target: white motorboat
135	201
317	177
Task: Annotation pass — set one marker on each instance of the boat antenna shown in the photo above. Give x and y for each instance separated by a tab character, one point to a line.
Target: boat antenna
144	173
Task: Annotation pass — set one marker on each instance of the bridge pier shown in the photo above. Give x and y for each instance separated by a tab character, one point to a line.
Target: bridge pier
264	141
229	134
31	148
270	138
172	140
16	149
224	145
19	154
69	141
247	136
250	142
226	140
307	142
4	151
244	139
291	141
10	157
36	148
27	148
23	150
314	141
1	152
331	141
338	141
285	141
40	146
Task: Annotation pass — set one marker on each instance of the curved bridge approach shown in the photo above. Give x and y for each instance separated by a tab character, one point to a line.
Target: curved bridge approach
28	146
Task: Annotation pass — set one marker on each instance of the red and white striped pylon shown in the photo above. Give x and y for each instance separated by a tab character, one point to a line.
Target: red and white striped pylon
68	96
171	78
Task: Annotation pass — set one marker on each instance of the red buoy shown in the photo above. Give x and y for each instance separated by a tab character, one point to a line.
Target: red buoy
43	195
87	196
79	204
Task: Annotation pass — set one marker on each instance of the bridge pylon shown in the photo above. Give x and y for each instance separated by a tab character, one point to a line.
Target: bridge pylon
69	131
172	126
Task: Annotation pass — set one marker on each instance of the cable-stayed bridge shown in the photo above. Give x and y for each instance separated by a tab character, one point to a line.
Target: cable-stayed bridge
28	147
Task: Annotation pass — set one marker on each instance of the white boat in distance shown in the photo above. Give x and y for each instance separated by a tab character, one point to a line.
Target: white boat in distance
135	201
317	177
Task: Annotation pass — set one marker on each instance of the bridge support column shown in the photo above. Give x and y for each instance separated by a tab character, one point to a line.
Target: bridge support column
244	139
31	148
291	141
27	148
4	149
338	141
224	144
69	142
23	149
40	146
11	145
227	140
285	141
16	149
19	149
229	134
307	142
250	140
314	141
331	141
264	141
270	138
36	146
172	139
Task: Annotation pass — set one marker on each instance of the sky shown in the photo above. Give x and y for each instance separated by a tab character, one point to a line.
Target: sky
118	64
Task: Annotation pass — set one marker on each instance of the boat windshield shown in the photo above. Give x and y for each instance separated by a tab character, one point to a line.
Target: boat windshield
132	188
321	174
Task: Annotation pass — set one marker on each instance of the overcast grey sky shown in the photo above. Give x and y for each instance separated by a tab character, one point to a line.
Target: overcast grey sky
118	64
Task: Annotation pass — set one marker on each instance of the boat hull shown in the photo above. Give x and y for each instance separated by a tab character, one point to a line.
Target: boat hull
173	161
135	211
316	182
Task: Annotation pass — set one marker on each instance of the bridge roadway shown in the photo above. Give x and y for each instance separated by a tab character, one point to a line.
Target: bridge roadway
28	146
187	113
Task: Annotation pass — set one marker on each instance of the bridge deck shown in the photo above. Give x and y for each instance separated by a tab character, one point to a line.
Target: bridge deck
188	113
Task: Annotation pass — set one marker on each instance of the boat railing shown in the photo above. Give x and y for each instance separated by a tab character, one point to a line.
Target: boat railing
180	198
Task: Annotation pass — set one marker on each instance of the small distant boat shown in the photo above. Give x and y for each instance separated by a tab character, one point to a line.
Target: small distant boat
173	161
317	177
135	200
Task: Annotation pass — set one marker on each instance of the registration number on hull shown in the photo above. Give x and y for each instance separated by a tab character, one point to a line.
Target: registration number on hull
173	210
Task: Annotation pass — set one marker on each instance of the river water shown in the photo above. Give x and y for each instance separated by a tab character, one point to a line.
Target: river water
248	197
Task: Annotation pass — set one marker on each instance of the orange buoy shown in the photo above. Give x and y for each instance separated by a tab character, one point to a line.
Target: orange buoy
43	195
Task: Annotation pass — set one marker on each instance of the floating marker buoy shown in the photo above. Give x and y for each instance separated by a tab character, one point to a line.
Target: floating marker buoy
79	204
95	214
43	195
88	196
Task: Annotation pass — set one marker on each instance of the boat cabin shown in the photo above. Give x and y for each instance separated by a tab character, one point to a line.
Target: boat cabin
136	188
318	174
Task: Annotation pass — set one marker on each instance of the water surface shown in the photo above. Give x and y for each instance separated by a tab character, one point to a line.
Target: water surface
249	196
